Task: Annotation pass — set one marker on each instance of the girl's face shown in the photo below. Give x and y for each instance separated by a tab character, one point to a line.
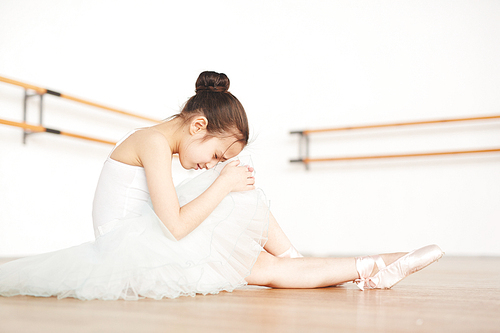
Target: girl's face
205	154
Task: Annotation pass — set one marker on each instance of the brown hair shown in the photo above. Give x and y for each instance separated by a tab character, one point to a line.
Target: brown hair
222	109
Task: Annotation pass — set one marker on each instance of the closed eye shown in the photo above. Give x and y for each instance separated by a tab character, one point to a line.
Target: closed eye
220	159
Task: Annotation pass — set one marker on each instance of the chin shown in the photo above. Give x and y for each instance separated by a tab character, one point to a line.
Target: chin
183	166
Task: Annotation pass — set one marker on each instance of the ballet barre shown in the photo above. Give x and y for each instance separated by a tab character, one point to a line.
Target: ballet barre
40	92
38	128
304	141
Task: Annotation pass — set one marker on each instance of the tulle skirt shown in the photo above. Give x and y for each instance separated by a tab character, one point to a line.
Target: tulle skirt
136	257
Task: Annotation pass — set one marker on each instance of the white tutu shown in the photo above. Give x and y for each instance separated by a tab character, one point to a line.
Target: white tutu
135	257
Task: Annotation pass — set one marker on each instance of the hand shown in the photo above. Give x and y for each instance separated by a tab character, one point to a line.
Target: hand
238	178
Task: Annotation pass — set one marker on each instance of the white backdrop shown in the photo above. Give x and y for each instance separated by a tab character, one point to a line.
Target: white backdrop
294	65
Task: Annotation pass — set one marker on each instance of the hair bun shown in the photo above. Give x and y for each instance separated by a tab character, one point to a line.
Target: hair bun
212	82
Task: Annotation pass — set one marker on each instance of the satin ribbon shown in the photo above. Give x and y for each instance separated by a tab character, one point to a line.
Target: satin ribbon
360	283
364	266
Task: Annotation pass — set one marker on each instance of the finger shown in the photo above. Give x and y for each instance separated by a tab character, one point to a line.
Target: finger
233	163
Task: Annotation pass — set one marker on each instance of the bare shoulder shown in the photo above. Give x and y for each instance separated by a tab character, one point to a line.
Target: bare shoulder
150	139
151	144
142	144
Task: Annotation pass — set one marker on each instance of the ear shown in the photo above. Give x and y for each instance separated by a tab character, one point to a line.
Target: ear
198	125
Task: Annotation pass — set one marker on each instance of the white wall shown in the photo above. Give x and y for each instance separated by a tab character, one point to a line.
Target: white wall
294	65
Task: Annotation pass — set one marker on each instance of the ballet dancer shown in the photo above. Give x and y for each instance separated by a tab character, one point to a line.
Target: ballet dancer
210	233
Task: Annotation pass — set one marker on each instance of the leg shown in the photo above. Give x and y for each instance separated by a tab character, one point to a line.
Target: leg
277	242
277	272
306	272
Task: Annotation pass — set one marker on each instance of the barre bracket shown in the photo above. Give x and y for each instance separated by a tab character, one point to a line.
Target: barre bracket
27	96
303	148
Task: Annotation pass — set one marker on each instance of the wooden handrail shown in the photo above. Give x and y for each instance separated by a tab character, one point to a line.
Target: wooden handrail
38	128
304	141
321	130
42	91
38	90
347	158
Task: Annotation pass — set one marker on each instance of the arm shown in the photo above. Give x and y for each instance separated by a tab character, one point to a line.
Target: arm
156	158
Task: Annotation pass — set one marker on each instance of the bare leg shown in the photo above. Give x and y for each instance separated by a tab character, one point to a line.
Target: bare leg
306	272
301	272
272	271
277	242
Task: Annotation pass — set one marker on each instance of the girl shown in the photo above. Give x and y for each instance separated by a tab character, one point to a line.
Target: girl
211	233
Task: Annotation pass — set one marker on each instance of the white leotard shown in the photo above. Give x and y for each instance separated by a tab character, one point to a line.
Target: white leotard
135	256
121	191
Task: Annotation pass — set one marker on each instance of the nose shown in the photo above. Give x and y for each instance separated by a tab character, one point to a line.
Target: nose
211	164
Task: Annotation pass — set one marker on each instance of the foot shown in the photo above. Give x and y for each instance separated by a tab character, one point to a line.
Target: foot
400	265
388	259
290	253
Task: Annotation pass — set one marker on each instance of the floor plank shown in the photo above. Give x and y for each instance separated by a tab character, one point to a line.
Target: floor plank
457	294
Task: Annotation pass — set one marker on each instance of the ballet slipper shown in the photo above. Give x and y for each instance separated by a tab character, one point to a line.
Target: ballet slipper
290	253
390	275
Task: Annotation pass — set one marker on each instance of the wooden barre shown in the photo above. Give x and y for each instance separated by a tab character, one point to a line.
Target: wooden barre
37	128
347	158
335	129
42	91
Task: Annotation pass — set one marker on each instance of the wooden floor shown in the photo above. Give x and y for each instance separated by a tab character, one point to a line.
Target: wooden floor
457	294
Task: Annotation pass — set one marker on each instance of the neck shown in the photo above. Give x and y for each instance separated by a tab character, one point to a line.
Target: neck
174	130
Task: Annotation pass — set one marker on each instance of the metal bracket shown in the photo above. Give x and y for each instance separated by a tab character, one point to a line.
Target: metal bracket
25	112
303	148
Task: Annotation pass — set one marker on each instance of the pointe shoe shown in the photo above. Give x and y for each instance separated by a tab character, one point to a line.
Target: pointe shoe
388	276
290	253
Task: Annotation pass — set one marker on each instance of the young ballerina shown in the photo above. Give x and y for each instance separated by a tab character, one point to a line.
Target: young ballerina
208	234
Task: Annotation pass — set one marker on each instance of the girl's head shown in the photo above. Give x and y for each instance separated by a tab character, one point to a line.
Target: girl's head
217	123
225	115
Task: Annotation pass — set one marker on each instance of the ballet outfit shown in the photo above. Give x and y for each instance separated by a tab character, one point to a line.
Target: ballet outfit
135	256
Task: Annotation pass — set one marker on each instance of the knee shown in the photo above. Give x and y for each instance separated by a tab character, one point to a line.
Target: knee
267	259
263	270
